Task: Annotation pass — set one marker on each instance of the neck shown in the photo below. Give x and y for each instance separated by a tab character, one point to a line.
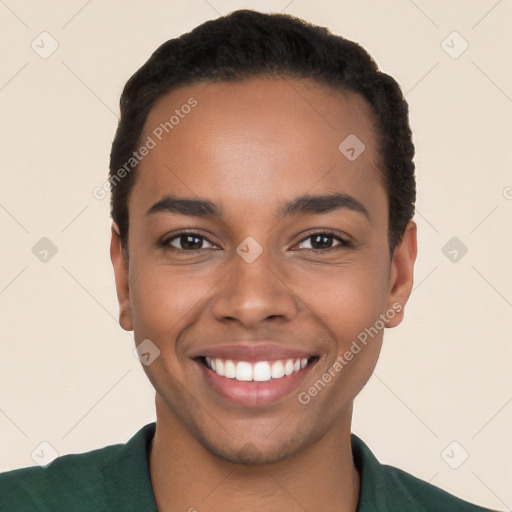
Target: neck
185	476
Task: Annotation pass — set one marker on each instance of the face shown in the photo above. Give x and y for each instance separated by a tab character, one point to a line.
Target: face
258	261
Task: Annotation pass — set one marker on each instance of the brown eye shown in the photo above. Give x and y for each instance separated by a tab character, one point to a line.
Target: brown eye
186	242
324	242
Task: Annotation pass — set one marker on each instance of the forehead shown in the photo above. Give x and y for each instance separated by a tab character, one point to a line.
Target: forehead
249	142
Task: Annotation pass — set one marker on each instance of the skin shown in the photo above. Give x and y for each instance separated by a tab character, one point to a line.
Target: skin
249	146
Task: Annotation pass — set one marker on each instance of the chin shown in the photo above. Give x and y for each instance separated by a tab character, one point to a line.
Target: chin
256	452
249	455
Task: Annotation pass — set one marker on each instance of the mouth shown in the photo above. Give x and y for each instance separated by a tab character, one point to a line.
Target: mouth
259	371
253	381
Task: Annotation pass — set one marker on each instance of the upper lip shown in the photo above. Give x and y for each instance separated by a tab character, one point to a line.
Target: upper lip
251	351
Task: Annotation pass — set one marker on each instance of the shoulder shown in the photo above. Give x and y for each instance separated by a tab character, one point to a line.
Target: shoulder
411	491
386	488
87	481
60	482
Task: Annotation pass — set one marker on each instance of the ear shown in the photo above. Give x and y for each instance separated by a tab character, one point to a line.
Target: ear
120	263
401	274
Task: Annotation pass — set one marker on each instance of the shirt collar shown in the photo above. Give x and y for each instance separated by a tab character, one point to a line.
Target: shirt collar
373	490
132	483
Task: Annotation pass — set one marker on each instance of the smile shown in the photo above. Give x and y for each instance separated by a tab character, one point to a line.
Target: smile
256	371
252	374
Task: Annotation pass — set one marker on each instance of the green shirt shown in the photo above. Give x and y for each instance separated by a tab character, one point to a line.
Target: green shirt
116	478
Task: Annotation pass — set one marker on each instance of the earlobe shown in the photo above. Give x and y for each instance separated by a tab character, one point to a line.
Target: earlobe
120	264
401	276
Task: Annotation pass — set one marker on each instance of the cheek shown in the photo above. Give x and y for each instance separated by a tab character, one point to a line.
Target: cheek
348	305
162	299
155	298
348	300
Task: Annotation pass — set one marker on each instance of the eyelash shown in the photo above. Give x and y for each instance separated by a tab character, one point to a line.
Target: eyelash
165	243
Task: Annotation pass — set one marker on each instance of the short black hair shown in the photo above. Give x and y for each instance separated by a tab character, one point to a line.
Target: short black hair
247	44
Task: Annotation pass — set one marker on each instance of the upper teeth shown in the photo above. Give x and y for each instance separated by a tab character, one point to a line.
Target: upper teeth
260	371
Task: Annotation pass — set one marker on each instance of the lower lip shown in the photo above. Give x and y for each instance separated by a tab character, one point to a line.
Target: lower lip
254	394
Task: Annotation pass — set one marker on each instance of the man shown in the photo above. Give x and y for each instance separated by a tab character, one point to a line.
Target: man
262	195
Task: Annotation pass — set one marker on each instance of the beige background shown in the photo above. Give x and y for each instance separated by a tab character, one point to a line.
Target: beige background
67	372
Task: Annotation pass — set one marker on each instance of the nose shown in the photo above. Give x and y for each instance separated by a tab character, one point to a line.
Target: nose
254	292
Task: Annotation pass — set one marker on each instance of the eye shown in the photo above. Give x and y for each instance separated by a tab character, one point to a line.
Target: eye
191	241
323	242
186	241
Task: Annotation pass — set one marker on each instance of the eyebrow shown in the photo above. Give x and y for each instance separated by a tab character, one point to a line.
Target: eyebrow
302	205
